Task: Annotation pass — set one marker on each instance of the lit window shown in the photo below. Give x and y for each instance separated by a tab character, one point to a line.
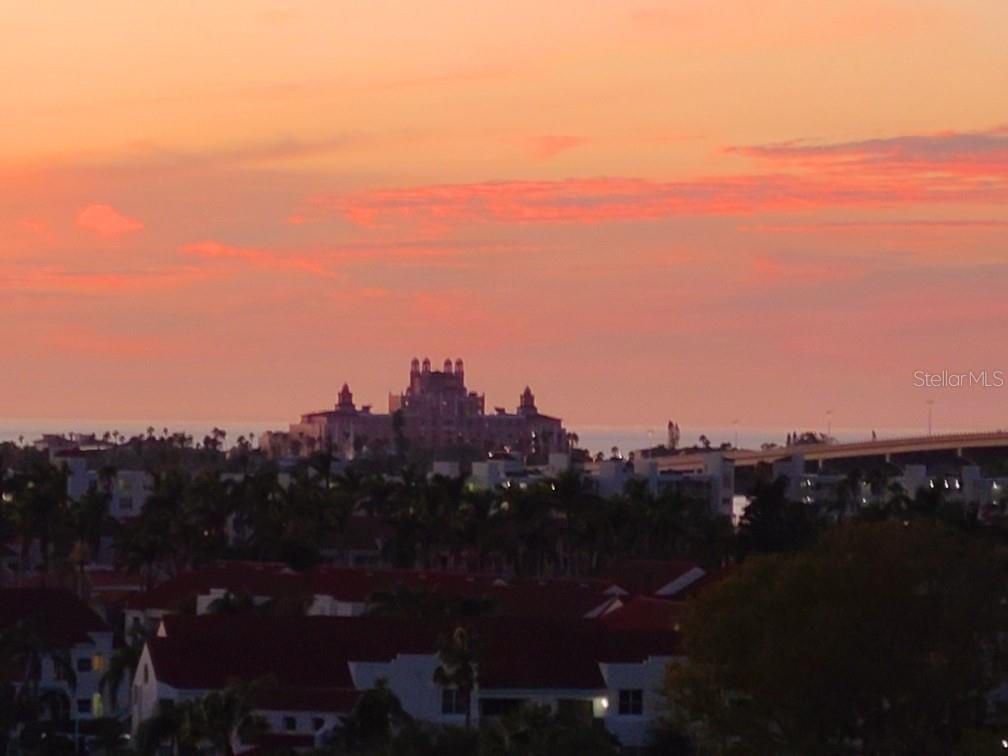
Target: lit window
631	701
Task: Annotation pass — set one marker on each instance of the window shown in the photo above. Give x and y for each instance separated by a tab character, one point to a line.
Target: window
83	705
290	723
146	673
317	723
84	664
452	701
631	701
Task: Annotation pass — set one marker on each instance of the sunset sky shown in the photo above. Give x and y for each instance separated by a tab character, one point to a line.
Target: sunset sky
690	210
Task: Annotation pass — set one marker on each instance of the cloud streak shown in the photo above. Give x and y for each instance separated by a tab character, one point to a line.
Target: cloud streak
632	199
105	222
549	146
977	153
948	167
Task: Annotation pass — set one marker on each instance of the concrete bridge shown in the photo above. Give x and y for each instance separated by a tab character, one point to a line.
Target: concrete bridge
882	448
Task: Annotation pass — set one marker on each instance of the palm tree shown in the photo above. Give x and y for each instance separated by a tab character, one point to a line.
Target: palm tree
458	654
145	544
534	730
220	719
374	719
91	515
39	499
212	723
162	726
24	648
121	666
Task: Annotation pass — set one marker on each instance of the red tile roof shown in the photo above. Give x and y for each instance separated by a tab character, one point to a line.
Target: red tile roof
58	615
570	599
645	613
543	598
254	578
313	653
646	576
357	585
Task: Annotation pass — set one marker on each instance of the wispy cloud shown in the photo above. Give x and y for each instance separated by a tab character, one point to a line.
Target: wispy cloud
546	147
789	271
60	280
106	222
947	167
854	226
977	153
262	258
630	199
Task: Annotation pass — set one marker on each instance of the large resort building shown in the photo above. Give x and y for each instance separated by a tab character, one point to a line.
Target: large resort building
435	414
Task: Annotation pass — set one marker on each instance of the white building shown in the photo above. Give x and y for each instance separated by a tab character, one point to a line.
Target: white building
72	630
583	667
128	489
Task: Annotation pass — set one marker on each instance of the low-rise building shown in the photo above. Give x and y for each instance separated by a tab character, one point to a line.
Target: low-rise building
313	668
76	646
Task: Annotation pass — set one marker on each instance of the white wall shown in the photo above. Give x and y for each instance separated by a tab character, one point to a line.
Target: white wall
647	676
411	678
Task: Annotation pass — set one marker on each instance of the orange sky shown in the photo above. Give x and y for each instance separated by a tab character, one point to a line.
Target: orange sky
690	210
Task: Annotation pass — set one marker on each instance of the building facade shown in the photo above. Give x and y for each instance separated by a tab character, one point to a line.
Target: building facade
435	412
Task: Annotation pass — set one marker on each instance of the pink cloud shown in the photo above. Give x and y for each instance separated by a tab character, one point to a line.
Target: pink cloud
947	167
106	222
58	280
546	147
631	199
38	229
871	225
977	153
262	258
777	270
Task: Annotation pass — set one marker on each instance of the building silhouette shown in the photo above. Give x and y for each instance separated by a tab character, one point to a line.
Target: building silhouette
435	413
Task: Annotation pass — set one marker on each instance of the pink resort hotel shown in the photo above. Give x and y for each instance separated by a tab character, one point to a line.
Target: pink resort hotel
435	413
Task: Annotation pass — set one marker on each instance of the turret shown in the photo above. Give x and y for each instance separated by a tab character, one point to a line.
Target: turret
414	367
526	403
426	364
460	371
447	366
673	435
345	398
